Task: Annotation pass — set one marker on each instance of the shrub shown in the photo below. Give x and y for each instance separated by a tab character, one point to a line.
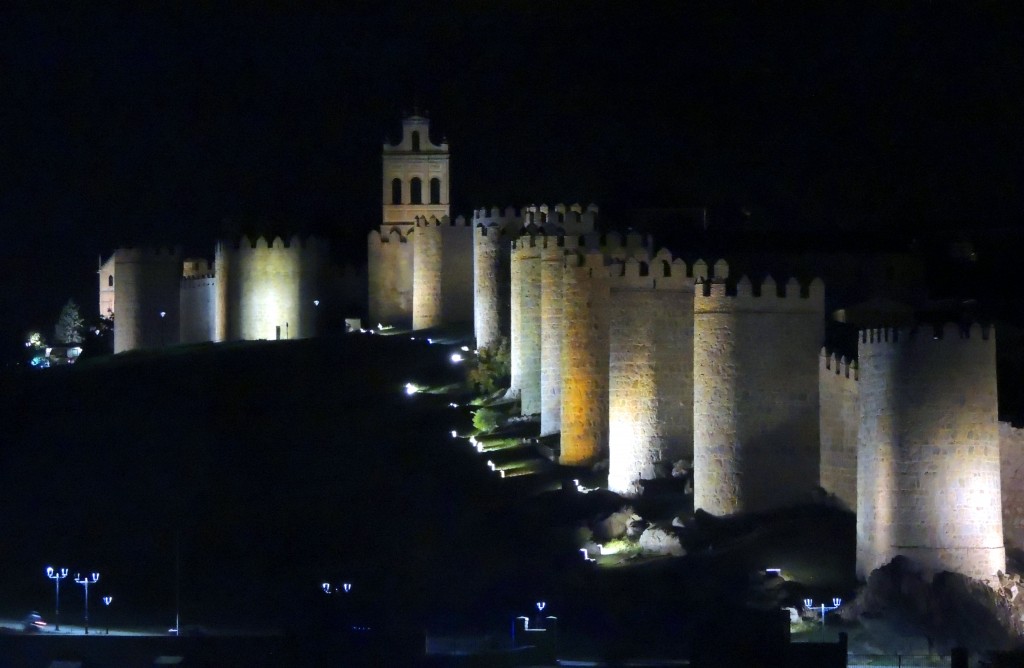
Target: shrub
493	368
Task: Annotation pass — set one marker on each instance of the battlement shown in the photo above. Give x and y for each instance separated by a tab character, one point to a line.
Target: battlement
767	295
595	261
199	281
196	267
839	365
571	219
495	216
443	221
246	243
661	272
393	234
949	332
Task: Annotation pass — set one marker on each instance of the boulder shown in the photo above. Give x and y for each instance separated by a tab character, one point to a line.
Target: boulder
655	540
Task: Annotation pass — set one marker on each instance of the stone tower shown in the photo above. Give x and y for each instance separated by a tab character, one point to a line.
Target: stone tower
650	404
415	184
493	232
415	175
146	283
755	393
928	469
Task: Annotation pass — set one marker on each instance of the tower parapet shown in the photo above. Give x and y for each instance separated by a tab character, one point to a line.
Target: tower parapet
839	425
650	386
755	392
928	469
266	289
146	284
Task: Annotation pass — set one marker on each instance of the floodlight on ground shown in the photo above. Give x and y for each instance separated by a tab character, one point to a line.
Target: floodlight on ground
465	349
85	582
56	574
456	358
410	389
455	434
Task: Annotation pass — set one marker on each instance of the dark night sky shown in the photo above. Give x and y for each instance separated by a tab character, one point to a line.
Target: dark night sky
161	124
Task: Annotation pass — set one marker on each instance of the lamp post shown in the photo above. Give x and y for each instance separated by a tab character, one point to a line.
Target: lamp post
836	602
107	600
85	582
56	575
163	341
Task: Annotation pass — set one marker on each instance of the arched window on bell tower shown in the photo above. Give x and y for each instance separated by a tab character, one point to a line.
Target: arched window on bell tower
416	191
435	191
396	191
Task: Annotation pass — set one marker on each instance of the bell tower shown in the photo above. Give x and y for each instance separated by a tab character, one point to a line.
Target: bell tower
415	175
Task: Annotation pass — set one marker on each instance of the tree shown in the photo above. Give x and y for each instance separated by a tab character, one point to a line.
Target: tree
70	323
492	369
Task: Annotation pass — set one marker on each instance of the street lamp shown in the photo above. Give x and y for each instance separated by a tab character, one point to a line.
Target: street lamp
836	602
163	341
107	600
56	575
85	582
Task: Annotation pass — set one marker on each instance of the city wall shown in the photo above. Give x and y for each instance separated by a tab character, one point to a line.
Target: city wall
839	425
389	276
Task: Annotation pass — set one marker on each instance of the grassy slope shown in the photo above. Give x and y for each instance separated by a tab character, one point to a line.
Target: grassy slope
286	463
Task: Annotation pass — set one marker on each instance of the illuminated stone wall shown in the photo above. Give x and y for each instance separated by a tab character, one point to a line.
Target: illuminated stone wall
650	387
198	302
526	275
1011	458
266	291
585	356
493	231
415	156
552	262
928	476
442	272
756	443
106	279
389	277
146	284
839	425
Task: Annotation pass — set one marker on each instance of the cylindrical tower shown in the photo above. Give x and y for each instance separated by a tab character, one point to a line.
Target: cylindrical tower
552	262
198	302
147	282
526	274
267	291
650	379
492	237
755	394
427	297
585	283
928	476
